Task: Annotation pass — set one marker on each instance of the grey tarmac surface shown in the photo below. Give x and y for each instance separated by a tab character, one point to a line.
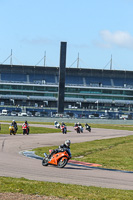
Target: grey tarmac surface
14	164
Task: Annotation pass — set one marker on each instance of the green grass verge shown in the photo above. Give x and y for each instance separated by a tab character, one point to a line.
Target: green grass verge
5	127
60	190
105	126
115	153
33	130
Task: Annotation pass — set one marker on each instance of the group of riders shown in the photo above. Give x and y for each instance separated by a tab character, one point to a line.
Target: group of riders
77	126
25	124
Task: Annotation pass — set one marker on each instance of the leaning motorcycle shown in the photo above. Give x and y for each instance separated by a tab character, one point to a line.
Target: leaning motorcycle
88	128
57	125
64	129
77	129
12	130
59	159
25	129
81	129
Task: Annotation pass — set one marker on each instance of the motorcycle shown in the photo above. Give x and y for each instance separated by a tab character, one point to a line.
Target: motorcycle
78	129
88	128
25	129
81	129
64	129
12	130
59	159
57	125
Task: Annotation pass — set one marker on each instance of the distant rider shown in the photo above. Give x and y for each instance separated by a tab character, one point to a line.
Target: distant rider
14	124
26	124
63	124
87	125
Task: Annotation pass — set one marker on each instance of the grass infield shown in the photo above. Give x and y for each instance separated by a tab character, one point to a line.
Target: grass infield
113	153
66	191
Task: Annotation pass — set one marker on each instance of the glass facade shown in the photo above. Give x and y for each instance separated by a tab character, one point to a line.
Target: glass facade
70	92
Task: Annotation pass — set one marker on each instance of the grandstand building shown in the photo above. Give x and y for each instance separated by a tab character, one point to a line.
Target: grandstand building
86	90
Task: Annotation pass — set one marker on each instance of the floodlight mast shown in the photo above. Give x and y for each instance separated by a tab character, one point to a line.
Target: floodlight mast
62	71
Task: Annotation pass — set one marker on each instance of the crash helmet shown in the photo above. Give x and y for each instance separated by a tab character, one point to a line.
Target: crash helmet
25	122
67	143
13	120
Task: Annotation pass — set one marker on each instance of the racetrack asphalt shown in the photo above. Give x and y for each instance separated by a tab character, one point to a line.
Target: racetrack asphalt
14	164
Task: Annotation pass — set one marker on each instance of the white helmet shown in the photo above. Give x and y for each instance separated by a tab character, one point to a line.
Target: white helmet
67	143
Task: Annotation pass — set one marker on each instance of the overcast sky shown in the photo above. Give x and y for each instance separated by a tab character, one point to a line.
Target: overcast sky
93	29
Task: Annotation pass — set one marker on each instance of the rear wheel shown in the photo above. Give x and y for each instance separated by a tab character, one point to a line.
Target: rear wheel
62	163
45	162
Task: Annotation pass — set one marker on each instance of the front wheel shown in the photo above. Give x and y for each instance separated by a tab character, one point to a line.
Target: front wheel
24	131
62	163
45	162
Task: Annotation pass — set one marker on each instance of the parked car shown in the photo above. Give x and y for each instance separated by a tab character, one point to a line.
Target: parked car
14	113
22	114
29	114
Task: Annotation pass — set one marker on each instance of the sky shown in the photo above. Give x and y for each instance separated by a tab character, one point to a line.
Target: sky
95	31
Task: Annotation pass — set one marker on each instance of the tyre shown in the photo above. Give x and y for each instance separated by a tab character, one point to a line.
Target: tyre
61	163
45	162
10	132
78	130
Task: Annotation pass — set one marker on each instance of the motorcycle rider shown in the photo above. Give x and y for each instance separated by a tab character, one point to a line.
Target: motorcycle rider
79	124
63	147
75	125
56	124
88	127
14	124
26	124
63	124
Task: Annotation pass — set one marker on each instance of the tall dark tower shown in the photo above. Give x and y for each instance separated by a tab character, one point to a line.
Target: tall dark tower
62	71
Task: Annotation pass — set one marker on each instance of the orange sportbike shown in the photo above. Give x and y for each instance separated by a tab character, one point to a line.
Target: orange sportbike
59	159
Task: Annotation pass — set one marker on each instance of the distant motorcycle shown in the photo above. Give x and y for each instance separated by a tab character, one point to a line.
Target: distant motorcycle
64	129
77	129
59	159
88	128
57	125
25	129
12	130
81	129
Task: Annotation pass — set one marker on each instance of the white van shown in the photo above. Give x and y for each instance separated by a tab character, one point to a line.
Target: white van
4	112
